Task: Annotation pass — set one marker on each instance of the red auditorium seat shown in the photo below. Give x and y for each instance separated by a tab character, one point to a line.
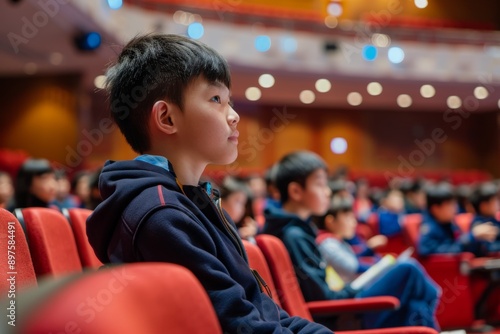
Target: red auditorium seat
258	262
463	221
291	297
78	221
146	298
456	306
12	235
51	242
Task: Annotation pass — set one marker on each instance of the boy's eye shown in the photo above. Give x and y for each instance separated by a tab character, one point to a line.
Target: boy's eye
216	99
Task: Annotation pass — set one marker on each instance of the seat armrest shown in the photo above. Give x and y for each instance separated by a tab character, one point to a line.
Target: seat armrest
353	305
400	330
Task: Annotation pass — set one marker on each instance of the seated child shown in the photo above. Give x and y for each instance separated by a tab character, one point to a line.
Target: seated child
170	96
391	213
236	202
64	200
484	199
303	185
414	197
36	184
438	233
6	191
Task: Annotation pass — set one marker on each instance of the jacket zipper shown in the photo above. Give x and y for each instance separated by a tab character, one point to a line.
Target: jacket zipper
262	283
227	225
218	209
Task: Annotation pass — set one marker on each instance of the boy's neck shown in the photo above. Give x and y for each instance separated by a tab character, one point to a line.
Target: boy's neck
187	170
297	209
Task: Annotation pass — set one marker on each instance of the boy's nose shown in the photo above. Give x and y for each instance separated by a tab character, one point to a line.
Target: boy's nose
233	117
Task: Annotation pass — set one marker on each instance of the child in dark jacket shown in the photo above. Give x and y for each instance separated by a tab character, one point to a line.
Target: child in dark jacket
439	234
303	185
485	202
170	97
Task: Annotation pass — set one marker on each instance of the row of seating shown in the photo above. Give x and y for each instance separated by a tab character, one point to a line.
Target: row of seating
463	290
58	248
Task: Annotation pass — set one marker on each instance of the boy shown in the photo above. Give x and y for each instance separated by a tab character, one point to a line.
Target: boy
391	213
303	185
484	200
170	98
438	233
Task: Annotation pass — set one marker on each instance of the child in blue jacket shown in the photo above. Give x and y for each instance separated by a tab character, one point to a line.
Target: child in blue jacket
170	97
439	233
302	181
484	200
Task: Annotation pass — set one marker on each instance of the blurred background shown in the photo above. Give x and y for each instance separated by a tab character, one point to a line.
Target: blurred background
381	88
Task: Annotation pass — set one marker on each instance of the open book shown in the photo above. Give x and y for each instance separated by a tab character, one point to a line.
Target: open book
379	268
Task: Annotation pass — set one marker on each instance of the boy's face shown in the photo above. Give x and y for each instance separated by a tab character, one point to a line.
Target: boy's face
444	212
235	205
344	225
44	187
394	202
316	193
6	189
489	208
206	127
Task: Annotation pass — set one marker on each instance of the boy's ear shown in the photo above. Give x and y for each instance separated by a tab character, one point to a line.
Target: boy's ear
163	117
295	191
329	222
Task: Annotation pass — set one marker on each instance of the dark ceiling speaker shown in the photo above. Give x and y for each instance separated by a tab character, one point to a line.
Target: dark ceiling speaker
331	46
88	41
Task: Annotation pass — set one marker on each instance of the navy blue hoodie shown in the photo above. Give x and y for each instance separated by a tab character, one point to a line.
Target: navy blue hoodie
145	216
299	238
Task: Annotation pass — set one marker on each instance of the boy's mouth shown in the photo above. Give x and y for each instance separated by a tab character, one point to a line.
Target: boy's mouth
234	136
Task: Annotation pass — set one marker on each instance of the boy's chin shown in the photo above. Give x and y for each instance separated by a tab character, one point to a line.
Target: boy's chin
227	160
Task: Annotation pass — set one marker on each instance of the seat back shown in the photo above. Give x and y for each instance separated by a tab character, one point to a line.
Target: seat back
257	261
52	245
78	220
411	228
283	273
147	298
463	221
15	254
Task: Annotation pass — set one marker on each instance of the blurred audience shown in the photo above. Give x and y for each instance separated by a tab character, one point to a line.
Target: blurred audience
36	184
6	191
64	199
485	202
391	213
80	187
439	233
235	196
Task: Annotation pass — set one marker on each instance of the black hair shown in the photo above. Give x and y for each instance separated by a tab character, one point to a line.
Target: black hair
439	193
296	167
337	185
77	177
155	67
29	169
270	175
231	185
338	204
483	193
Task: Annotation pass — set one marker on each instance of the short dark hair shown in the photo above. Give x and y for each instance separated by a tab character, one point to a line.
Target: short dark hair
338	204
232	185
438	194
29	169
483	193
296	167
155	67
